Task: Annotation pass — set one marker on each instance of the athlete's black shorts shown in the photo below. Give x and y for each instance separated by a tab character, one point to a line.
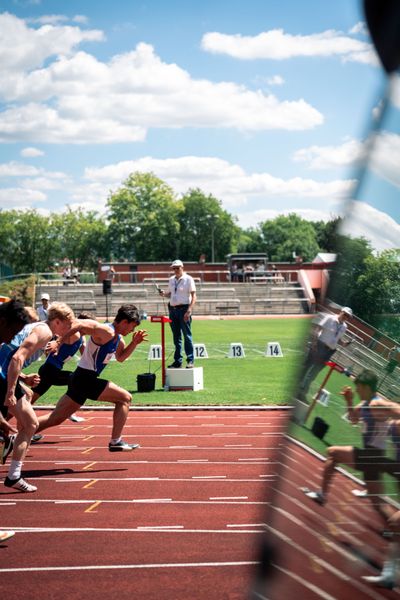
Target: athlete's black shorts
19	392
85	384
51	375
369	461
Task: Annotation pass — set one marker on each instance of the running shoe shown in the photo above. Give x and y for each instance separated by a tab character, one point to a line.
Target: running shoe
189	365
75	418
36	438
6	535
122	446
7	448
175	365
20	485
317	497
383	581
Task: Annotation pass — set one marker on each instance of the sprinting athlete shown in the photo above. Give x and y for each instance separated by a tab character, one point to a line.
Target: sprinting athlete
12	394
105	342
52	371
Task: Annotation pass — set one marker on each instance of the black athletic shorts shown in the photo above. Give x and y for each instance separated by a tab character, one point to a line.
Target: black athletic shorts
369	461
85	384
19	392
51	375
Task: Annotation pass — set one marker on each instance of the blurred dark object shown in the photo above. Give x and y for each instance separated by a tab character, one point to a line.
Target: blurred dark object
319	427
107	286
383	20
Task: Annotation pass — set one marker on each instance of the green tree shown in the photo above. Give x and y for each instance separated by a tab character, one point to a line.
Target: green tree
351	256
205	228
81	236
377	289
326	233
284	235
143	220
30	248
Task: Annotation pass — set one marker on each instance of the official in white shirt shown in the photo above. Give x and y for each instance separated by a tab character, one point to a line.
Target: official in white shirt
327	336
182	295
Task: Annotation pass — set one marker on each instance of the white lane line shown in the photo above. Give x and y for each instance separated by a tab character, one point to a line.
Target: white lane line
245	525
310	586
262	458
243	563
210	477
7	503
194	460
181	447
229	498
169	435
238	446
141	501
160	528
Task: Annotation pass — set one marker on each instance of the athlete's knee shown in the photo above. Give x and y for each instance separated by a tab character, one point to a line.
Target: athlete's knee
127	398
332	454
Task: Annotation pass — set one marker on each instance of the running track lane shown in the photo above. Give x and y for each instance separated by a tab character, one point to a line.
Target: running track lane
181	518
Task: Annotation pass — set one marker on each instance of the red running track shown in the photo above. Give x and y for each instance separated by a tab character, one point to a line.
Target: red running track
184	516
181	518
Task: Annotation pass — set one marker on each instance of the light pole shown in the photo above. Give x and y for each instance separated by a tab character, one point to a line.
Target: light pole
212	243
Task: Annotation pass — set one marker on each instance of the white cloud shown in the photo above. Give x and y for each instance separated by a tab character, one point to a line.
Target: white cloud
327	157
76	98
385	157
227	182
16	169
376	226
275	80
23	48
359	28
278	45
31	152
20	198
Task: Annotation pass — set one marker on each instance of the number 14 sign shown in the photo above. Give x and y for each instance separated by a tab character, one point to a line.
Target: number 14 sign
273	350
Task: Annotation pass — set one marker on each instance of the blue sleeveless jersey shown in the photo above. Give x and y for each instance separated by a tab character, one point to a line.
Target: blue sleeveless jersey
374	432
65	352
7	351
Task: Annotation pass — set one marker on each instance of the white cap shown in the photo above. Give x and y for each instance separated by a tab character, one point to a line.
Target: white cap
347	311
45	297
177	263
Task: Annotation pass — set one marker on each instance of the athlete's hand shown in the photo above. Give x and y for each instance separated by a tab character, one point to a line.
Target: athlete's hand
347	392
139	336
51	347
32	380
10	400
7	427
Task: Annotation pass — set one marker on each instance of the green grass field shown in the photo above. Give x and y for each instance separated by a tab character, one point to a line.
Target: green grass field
252	380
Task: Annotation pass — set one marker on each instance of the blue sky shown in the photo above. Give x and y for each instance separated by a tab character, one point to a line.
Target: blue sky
263	104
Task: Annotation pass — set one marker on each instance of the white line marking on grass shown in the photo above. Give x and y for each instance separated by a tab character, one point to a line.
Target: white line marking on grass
243	563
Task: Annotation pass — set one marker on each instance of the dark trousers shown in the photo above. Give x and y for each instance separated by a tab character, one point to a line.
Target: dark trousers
315	362
180	328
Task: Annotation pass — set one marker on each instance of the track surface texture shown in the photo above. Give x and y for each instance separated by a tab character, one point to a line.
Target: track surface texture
187	516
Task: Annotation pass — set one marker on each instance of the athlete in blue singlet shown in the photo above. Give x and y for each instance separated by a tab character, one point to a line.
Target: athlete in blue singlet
13	397
106	341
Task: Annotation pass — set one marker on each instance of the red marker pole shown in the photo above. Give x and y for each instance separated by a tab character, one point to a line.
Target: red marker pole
332	367
162	320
